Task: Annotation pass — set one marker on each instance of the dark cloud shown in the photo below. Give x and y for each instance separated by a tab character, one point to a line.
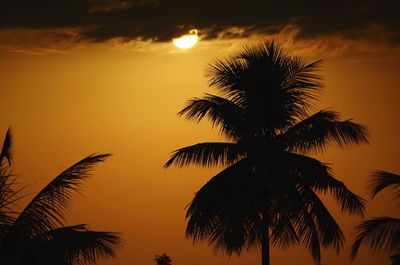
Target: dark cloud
43	13
160	20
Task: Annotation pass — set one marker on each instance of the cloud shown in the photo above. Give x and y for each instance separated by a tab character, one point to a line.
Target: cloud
37	51
161	20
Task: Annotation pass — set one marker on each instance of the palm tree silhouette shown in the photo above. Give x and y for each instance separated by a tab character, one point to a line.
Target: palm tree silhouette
163	259
381	233
267	192
36	235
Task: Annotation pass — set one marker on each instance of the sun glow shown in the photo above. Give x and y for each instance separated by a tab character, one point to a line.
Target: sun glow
186	41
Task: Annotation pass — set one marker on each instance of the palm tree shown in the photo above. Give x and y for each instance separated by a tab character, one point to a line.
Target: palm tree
267	192
381	233
36	235
163	259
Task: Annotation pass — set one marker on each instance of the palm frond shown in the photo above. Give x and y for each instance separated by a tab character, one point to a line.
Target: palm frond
227	77
8	197
382	180
308	236
321	130
304	224
329	231
312	223
46	210
350	202
71	245
380	233
222	210
6	151
205	154
221	112
8	194
284	233
317	175
300	87
302	78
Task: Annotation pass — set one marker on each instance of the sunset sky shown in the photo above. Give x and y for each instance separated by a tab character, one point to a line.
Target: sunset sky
102	76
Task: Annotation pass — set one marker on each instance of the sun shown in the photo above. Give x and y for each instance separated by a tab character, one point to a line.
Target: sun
186	41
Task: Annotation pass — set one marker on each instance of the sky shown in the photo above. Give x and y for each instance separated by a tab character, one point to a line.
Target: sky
80	77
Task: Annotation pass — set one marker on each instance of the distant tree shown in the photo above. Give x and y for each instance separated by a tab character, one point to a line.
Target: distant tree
267	193
163	259
36	235
381	233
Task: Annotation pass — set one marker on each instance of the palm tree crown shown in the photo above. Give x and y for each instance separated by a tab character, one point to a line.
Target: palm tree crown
163	259
36	235
381	233
267	191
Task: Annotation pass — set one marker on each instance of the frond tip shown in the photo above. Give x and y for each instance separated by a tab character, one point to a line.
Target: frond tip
6	152
382	180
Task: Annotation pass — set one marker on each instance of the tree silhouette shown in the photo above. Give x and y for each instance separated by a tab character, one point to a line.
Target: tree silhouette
36	235
163	259
267	192
381	233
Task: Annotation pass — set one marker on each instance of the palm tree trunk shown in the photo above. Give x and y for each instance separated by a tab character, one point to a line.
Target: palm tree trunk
265	259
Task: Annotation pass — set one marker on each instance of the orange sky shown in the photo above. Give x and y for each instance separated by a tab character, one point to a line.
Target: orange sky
123	99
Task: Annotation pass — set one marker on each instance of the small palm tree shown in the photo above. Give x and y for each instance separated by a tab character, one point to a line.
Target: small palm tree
163	259
36	235
267	193
381	233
